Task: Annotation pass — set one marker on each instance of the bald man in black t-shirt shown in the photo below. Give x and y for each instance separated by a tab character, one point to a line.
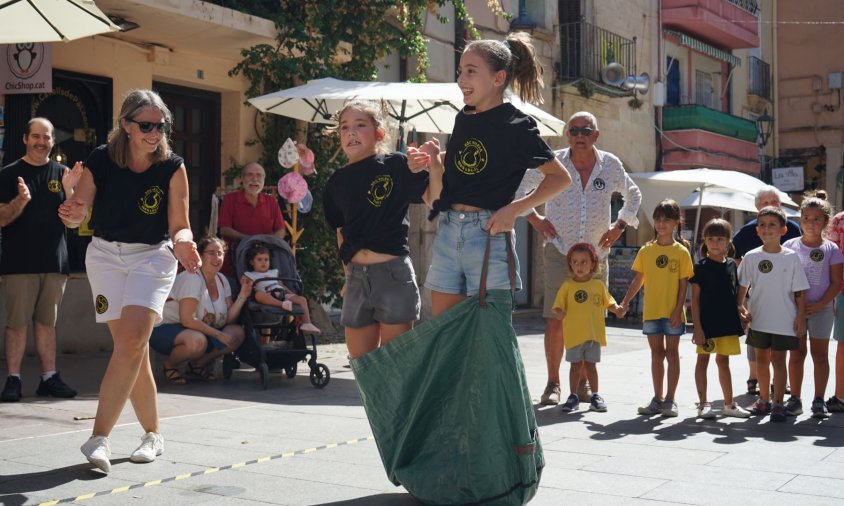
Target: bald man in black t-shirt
33	261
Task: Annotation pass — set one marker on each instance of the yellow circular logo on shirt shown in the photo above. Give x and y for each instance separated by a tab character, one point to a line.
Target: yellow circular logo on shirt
581	296
766	266
472	157
379	189
54	186
816	255
101	304
662	261
151	200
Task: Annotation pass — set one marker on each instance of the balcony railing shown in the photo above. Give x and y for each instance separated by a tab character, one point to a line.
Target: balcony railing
586	49
751	6
759	78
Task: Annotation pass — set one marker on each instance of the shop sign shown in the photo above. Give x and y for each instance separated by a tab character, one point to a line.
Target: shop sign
26	67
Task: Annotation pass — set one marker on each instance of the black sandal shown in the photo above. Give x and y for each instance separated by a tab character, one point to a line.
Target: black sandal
201	373
753	387
174	377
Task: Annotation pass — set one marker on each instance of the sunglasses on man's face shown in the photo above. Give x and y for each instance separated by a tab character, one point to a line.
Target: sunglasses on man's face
147	126
575	131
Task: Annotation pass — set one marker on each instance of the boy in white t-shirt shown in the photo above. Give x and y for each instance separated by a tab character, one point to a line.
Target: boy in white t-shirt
777	309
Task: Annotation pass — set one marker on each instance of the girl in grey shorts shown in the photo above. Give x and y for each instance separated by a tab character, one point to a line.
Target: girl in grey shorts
366	202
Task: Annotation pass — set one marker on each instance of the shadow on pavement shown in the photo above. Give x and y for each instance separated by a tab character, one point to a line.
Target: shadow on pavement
377	500
16	484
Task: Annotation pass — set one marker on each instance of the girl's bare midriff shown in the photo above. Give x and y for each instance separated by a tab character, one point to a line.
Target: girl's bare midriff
466	209
369	257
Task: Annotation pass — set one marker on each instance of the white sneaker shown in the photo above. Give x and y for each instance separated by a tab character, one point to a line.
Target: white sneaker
735	411
309	328
669	408
152	445
705	411
97	452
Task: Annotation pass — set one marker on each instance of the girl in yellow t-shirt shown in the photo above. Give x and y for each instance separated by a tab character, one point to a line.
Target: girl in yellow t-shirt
664	266
580	303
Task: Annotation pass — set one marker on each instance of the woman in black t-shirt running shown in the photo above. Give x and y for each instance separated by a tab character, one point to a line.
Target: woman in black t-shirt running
366	202
491	147
139	192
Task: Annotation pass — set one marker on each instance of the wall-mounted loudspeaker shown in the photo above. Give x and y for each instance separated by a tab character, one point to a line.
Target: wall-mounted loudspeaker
614	75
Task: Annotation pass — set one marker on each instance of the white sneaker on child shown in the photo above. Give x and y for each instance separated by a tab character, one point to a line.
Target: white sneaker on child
309	328
152	445
704	410
735	411
97	452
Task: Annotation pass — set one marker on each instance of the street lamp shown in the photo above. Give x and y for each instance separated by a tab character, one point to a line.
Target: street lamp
764	126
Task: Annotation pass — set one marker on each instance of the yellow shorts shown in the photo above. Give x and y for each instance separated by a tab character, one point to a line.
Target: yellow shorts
724	345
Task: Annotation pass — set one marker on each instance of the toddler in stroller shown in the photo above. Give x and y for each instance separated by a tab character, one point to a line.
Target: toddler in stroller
269	289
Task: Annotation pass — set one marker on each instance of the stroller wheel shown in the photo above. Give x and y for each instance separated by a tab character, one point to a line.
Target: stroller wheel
264	371
291	371
320	376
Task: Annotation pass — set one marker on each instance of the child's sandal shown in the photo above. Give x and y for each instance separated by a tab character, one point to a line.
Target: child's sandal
174	377
753	387
201	373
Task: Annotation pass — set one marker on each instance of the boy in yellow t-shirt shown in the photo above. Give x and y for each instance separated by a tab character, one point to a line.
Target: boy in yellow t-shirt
580	303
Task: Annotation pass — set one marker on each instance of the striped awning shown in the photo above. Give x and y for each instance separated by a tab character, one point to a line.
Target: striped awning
705	48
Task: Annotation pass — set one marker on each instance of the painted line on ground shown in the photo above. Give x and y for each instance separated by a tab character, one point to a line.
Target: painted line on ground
209	470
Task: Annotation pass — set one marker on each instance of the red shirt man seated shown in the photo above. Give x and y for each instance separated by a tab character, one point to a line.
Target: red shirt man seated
248	212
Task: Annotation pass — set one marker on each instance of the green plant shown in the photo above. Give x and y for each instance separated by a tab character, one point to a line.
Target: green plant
585	88
310	36
635	103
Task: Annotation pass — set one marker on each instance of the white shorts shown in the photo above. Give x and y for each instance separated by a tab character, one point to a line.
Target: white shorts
126	274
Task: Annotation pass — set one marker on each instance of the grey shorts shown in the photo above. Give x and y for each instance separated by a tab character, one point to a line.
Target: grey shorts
380	293
819	325
32	297
556	271
590	351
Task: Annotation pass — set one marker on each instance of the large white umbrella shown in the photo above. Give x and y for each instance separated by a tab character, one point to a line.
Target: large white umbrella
51	20
427	107
678	184
727	199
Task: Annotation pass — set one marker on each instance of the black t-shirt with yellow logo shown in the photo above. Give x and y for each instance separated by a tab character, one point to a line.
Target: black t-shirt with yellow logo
130	207
35	242
487	156
368	200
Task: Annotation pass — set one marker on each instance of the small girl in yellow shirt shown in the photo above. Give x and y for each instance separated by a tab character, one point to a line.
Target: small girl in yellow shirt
581	303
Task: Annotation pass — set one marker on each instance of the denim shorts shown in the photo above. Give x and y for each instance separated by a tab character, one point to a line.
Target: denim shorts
380	293
164	337
661	327
458	255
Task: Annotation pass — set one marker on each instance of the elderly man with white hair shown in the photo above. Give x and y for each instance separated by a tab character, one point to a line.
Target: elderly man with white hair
580	213
747	239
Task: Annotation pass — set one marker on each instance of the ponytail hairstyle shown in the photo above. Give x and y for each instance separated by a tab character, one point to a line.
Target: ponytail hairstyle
254	251
583	247
717	228
516	56
669	209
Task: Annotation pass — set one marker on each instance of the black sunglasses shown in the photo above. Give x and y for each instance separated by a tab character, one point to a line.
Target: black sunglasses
147	126
586	131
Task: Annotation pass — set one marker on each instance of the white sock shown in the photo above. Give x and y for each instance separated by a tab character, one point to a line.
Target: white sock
47	375
18	375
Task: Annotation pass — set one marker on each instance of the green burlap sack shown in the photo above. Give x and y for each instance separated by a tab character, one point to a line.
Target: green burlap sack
450	410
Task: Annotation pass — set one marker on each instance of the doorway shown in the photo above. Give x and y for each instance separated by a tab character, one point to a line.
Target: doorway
196	138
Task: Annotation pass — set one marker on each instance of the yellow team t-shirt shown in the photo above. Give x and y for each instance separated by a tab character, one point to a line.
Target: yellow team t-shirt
663	267
584	304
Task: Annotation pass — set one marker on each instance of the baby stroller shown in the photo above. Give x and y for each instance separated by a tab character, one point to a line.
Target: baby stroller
285	344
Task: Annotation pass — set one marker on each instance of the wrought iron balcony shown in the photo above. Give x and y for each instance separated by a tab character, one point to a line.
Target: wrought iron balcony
751	6
759	78
585	49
